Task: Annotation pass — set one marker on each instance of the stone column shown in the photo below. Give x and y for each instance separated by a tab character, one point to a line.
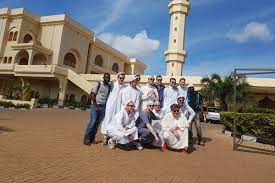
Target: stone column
63	84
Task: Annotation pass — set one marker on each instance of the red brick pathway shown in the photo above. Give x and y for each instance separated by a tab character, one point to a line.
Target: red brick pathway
46	146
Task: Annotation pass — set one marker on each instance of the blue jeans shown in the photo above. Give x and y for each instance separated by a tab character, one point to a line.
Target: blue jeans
95	119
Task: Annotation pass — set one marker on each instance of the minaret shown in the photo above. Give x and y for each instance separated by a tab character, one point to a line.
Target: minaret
175	55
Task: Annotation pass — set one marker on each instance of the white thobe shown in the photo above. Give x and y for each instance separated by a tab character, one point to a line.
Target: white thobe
170	96
146	90
183	90
122	125
130	94
168	122
188	112
156	124
111	105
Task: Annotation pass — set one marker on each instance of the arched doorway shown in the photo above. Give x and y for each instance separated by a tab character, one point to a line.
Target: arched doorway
84	99
39	59
72	98
115	68
22	57
99	61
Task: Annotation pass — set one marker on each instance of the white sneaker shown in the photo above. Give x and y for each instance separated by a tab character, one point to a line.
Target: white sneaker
139	146
111	144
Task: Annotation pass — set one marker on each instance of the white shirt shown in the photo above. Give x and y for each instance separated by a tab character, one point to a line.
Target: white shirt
183	90
170	96
149	93
188	112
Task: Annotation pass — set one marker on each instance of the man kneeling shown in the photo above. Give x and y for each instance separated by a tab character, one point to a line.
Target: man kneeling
175	129
122	129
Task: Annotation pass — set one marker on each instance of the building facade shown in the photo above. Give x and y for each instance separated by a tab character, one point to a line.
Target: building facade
50	53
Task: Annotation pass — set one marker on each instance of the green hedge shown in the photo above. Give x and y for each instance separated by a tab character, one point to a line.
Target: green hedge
255	124
257	110
10	104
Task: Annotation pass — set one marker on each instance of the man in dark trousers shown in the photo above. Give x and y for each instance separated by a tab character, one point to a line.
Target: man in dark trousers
98	98
195	101
160	87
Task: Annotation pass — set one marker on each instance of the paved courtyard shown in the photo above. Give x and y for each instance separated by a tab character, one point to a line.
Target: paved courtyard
45	145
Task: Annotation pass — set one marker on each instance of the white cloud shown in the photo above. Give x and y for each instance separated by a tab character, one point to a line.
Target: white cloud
137	46
118	8
253	30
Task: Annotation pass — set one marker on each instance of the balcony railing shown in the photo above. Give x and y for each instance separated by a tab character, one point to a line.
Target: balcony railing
33	68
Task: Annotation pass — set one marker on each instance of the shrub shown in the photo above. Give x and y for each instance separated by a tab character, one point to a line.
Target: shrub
6	104
26	106
259	125
257	110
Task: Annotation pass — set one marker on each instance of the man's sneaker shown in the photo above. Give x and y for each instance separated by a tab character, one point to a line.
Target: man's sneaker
111	144
105	140
139	146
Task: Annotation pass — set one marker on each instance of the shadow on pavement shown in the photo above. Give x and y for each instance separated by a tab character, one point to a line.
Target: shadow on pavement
5	129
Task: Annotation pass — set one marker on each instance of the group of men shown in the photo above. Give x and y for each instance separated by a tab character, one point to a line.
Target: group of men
151	115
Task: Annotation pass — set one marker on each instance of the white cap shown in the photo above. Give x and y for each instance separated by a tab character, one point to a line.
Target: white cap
151	77
191	85
150	102
180	96
120	73
132	78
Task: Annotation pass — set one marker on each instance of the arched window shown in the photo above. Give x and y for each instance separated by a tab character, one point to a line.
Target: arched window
10	60
15	36
27	38
5	60
84	99
72	98
22	57
99	61
70	60
115	67
10	36
39	59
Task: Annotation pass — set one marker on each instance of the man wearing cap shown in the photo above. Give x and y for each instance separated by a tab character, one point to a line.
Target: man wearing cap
185	109
195	101
130	93
111	105
149	93
146	133
122	129
170	95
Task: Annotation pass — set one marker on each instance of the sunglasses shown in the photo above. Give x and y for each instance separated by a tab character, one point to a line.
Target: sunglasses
138	79
121	78
173	82
159	79
131	105
176	111
151	79
151	105
157	105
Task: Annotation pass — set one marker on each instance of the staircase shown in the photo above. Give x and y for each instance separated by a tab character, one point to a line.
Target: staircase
79	81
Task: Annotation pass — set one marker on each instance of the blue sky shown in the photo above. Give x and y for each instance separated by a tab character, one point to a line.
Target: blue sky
220	34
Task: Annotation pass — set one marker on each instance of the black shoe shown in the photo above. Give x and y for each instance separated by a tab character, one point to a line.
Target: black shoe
86	143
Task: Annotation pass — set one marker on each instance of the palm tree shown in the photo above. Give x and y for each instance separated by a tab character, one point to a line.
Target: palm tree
221	90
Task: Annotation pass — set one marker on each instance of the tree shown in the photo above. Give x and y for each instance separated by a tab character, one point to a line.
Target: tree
221	90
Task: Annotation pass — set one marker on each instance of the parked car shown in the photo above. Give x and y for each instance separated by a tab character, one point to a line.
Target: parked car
211	114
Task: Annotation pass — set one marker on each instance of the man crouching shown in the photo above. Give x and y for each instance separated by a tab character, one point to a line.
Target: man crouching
122	129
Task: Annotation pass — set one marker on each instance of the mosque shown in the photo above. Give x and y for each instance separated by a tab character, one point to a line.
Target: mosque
62	59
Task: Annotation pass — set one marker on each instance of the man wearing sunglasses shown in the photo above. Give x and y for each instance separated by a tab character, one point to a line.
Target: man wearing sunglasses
175	129
170	95
138	80
160	88
149	93
122	129
147	135
111	105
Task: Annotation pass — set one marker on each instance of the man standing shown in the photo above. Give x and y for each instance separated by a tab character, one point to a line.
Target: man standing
149	93
170	95
160	88
130	93
98	96
183	87
195	102
111	105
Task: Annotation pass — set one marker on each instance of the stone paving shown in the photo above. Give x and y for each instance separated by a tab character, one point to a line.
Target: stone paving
45	145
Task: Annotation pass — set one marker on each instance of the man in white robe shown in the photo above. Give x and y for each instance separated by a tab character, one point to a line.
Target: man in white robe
170	95
130	93
183	87
122	129
149	93
185	109
111	105
175	129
